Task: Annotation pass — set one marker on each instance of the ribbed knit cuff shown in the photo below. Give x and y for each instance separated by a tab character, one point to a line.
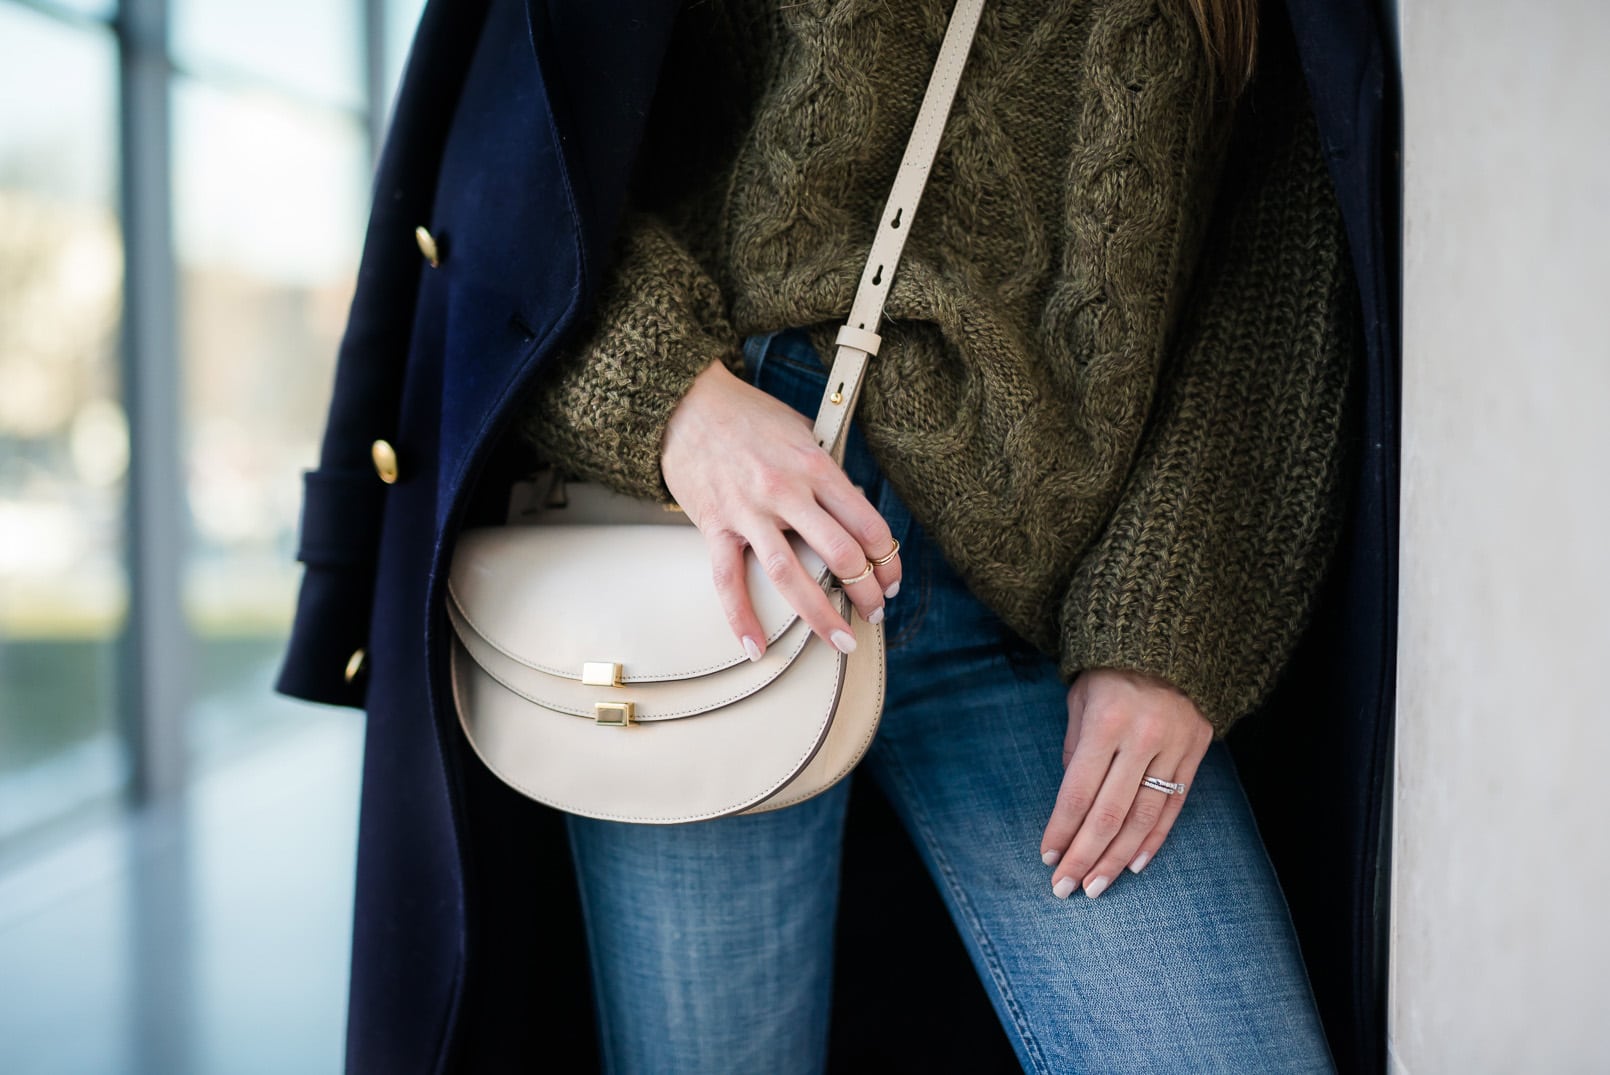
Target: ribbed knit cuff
600	409
1145	640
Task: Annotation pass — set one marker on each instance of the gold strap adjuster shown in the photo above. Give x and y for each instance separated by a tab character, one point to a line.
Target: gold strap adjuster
612	714
601	673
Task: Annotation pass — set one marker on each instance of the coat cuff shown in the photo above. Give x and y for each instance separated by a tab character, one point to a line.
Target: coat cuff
322	658
338	541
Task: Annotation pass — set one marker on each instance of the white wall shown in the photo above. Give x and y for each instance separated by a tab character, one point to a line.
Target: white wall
1501	883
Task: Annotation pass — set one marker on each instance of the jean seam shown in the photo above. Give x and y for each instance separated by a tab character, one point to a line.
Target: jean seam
755	348
992	960
1280	895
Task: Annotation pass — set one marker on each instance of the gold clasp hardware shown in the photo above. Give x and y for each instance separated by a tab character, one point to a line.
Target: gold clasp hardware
612	714
606	674
601	674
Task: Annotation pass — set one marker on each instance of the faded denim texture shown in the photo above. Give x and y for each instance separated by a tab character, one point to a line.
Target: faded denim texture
712	943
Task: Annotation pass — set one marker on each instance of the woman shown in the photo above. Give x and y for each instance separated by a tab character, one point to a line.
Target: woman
508	153
1107	430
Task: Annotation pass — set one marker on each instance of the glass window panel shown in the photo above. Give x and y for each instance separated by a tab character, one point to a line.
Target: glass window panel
402	19
102	9
270	200
311	46
63	434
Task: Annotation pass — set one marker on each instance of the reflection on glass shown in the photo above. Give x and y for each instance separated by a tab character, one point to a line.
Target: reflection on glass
63	436
312	46
269	204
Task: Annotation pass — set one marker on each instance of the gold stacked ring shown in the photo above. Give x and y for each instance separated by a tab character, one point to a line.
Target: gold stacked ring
880	561
857	578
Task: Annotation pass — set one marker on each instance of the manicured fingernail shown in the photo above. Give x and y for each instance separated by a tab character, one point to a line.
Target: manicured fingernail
1140	862
1096	887
877	615
843	642
1051	858
751	648
894	588
1063	888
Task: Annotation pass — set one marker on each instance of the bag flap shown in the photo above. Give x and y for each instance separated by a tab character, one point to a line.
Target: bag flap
666	699
555	598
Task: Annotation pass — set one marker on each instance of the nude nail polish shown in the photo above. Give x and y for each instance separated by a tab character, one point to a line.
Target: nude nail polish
877	616
751	648
1096	887
1063	888
843	642
894	588
1140	862
1051	858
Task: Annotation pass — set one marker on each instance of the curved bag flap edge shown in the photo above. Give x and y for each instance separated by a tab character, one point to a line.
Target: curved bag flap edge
459	656
469	545
723	691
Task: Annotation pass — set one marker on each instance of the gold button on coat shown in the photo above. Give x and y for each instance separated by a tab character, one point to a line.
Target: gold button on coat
428	247
385	457
355	664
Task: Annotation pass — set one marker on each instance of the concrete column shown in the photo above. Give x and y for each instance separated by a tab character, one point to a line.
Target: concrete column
1501	877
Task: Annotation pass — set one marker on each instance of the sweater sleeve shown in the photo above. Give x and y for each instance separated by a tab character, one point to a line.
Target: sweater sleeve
600	405
1206	570
600	408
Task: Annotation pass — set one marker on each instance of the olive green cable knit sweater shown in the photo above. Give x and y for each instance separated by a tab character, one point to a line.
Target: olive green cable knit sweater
1116	351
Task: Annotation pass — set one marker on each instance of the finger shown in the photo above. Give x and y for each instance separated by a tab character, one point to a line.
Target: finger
1165	822
1081	781
1105	817
843	555
798	588
730	572
849	505
1144	815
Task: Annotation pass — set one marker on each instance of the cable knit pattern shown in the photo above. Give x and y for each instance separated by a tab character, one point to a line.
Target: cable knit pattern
1113	396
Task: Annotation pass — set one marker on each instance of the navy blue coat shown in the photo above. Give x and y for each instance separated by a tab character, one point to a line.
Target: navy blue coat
513	138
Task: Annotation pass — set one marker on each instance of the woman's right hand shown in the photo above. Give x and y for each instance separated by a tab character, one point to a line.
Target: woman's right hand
746	467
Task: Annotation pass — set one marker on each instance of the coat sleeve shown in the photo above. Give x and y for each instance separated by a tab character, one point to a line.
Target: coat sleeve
1205	572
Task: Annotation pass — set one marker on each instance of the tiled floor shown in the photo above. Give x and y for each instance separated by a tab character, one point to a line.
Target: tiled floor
210	937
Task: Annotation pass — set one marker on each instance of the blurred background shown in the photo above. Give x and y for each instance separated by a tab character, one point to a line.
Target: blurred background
183	188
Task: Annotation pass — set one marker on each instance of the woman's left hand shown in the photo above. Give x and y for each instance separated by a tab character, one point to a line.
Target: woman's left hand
1122	727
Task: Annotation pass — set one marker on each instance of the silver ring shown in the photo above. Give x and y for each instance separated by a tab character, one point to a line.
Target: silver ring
1167	787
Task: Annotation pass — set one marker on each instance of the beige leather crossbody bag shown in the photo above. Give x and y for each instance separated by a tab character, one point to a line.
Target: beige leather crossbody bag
592	666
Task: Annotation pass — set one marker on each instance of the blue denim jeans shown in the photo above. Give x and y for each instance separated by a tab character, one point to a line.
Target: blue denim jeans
712	943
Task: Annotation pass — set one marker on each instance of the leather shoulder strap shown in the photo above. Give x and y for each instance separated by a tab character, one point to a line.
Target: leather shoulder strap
858	338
